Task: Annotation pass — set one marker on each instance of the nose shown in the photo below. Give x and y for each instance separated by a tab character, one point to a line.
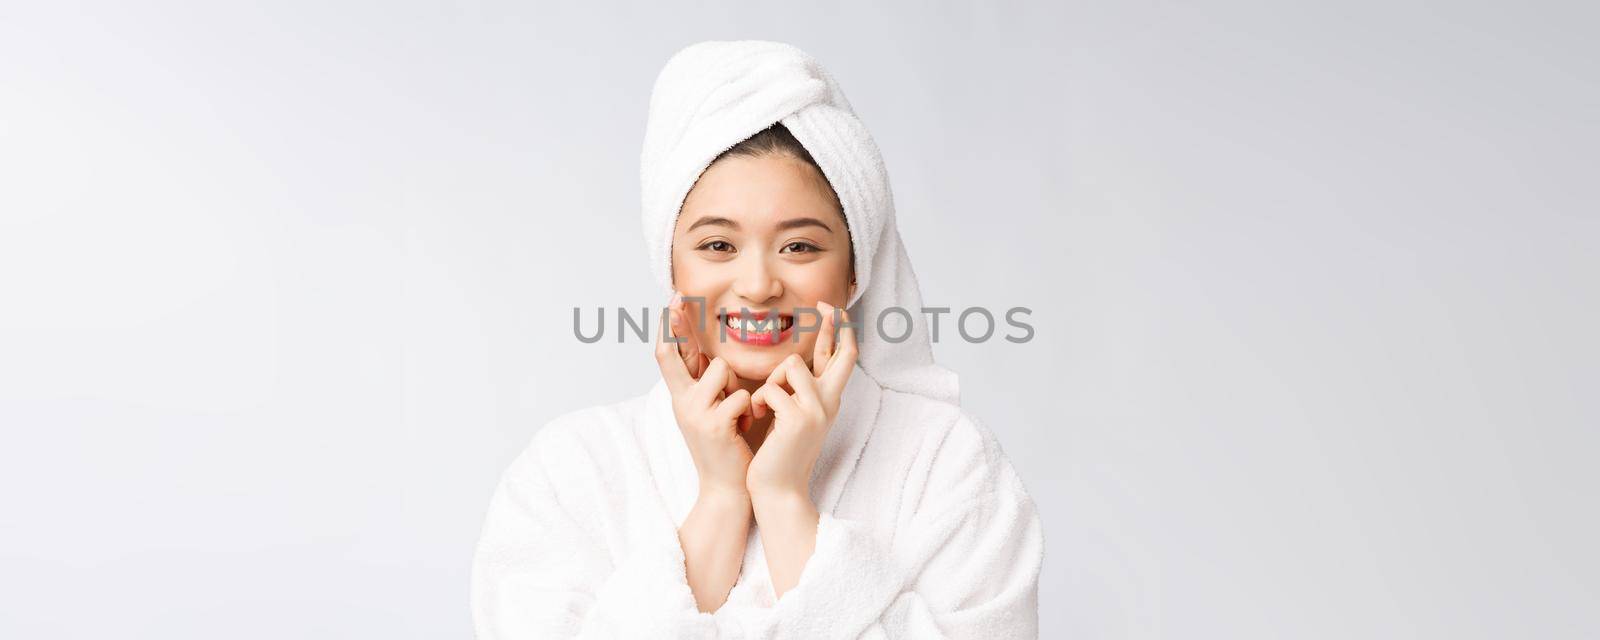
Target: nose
756	281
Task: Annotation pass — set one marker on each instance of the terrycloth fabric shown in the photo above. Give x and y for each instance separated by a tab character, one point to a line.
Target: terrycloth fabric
712	95
925	532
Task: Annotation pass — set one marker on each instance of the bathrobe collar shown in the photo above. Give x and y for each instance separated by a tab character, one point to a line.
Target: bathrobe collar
673	468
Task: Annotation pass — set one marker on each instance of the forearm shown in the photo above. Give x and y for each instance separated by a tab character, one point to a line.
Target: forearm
788	523
713	539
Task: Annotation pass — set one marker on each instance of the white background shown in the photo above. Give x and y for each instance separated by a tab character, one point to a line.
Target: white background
284	287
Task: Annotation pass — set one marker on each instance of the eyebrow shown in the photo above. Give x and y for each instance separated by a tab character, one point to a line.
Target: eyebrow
792	223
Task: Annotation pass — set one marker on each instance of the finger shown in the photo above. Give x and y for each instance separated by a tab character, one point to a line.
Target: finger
805	386
672	318
843	361
824	348
731	383
781	381
673	371
687	347
780	377
776	400
733	407
745	417
693	354
723	376
711	384
759	408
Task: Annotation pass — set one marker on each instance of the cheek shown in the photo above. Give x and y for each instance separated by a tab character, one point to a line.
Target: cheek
694	282
831	287
682	275
831	280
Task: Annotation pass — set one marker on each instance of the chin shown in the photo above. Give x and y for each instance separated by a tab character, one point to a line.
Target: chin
755	366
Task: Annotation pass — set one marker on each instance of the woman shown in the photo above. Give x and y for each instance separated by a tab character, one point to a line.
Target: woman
799	471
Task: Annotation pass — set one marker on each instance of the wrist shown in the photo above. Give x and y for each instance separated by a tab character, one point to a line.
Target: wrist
723	498
773	498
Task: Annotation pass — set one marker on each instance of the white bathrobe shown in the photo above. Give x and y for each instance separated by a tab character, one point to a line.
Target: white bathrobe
924	532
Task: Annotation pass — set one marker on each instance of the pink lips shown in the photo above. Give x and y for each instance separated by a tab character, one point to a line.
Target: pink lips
766	339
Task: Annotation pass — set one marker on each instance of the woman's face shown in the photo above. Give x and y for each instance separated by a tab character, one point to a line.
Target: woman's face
764	234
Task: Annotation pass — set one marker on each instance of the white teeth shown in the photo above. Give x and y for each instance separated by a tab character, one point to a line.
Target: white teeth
750	325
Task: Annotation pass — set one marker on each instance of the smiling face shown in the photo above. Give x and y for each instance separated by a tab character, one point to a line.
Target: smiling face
765	234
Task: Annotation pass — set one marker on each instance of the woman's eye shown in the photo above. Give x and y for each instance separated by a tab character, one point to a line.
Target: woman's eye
717	245
804	247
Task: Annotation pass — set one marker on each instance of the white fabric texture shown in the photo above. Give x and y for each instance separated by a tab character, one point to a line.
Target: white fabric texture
713	95
925	532
925	529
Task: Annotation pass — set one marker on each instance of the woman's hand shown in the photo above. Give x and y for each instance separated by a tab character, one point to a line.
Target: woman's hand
711	411
805	402
710	408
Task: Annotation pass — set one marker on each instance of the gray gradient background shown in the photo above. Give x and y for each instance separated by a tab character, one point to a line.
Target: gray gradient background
283	290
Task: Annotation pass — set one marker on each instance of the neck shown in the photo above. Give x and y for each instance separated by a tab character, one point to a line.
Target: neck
750	385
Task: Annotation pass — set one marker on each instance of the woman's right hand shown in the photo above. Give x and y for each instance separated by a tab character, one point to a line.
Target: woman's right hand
710	408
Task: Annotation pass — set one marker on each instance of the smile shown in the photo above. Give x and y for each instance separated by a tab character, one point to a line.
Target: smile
757	328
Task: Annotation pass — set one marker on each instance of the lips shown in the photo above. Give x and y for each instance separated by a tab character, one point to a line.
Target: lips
757	327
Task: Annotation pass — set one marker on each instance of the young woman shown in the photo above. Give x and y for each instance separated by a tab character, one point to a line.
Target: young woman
803	468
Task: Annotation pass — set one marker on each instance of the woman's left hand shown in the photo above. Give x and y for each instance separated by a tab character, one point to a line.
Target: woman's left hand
805	402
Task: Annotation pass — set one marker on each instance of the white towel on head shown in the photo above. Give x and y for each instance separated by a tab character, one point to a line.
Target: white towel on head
713	95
